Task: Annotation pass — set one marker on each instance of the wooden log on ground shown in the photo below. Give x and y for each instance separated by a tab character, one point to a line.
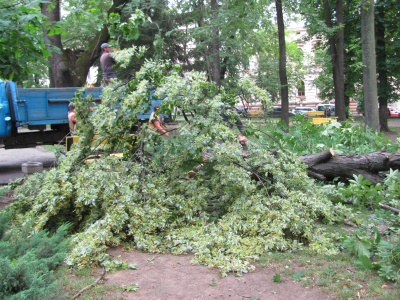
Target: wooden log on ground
326	166
385	206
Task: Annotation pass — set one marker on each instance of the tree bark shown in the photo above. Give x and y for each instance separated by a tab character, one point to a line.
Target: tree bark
383	82
59	73
200	10
216	75
340	104
369	65
282	63
336	49
325	166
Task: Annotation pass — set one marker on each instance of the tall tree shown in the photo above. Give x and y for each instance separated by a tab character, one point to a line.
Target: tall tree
336	49
369	64
225	34
387	54
59	73
340	103
216	70
383	86
282	62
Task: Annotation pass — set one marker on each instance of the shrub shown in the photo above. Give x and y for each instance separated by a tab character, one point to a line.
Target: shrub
28	260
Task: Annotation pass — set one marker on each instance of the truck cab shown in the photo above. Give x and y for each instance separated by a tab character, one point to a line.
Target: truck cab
5	112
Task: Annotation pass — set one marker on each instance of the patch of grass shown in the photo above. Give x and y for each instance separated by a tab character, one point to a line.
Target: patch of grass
335	275
213	282
3	191
54	148
395	129
75	281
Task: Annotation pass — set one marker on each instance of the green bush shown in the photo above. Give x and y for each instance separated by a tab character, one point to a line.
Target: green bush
303	137
28	261
375	250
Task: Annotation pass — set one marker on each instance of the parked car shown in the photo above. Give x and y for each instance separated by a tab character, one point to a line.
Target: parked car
302	110
255	112
277	112
392	112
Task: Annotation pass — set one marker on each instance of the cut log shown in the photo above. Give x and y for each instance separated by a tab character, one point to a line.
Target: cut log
326	166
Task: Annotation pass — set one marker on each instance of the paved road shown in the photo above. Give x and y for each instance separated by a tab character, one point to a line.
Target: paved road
12	159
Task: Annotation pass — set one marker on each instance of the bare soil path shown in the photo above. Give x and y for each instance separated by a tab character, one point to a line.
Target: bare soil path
169	277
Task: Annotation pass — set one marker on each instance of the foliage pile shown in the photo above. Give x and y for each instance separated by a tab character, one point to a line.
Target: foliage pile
234	210
28	261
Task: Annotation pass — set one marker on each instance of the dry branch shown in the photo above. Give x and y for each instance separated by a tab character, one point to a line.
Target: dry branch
395	210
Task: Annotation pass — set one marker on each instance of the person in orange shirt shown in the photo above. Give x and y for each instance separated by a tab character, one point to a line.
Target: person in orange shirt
71	118
156	122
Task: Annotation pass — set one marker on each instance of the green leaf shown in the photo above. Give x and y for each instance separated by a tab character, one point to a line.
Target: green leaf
131	288
298	276
363	263
277	278
359	245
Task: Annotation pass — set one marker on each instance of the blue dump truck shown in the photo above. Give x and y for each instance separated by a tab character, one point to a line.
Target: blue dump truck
32	116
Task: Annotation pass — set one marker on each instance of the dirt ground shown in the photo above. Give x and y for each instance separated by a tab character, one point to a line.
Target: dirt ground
169	277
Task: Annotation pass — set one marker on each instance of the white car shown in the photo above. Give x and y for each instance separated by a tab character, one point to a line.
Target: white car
392	112
302	110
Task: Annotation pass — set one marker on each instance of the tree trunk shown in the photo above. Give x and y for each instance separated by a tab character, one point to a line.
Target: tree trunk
340	104
200	10
59	72
216	75
325	166
369	65
383	83
336	49
282	63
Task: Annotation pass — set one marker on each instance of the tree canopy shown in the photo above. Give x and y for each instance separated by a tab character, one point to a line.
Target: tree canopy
182	31
21	39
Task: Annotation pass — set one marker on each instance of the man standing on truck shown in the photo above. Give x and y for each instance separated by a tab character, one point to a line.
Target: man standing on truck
106	63
71	118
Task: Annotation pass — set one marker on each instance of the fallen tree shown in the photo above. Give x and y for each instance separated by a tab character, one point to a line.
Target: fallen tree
326	165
